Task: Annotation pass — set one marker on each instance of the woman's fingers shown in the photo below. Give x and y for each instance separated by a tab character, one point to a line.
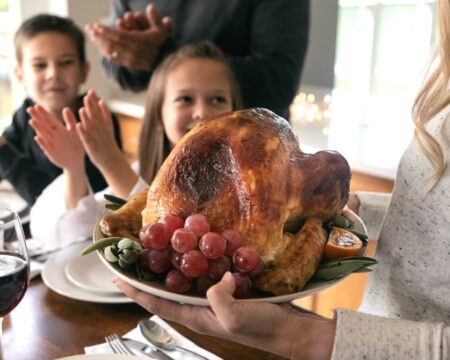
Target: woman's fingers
198	318
224	305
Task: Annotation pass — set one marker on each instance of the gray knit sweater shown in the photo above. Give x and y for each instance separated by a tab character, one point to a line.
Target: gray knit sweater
409	291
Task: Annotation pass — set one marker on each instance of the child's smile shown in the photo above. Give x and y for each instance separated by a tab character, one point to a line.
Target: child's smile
51	71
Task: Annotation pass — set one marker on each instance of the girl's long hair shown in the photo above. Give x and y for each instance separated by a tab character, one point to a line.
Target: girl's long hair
434	96
153	143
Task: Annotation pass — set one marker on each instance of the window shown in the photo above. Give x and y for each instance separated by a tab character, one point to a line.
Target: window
6	58
382	50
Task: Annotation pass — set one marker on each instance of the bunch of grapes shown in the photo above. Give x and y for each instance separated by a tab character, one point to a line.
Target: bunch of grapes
191	258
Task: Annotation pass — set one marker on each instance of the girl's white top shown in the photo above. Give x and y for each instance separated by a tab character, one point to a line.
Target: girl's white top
54	226
409	291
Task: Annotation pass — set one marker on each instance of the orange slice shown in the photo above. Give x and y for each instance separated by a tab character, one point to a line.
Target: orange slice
341	243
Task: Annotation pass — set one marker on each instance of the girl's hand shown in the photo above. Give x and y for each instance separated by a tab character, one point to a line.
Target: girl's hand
276	328
96	131
59	142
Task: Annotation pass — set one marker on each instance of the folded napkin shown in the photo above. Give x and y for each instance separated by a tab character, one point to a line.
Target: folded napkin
35	268
176	354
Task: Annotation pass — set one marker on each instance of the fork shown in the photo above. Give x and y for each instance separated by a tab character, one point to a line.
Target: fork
117	345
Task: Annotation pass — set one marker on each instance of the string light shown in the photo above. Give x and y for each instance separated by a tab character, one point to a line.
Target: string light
307	108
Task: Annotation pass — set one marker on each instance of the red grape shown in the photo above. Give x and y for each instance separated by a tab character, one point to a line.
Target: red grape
142	260
183	240
172	223
212	245
257	271
193	263
198	224
175	259
154	236
243	286
246	258
218	267
202	284
234	241
177	282
159	261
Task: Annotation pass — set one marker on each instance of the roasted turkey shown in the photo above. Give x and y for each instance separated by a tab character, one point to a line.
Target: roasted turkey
244	170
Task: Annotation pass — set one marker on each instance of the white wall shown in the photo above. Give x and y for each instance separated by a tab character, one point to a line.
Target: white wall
84	12
319	65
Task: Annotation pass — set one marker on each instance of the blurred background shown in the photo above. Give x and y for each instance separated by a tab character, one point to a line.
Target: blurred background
365	63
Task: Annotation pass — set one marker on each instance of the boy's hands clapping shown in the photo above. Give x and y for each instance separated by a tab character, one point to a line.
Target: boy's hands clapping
60	142
96	131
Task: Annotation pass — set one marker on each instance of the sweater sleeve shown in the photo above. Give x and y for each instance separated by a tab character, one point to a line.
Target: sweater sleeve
53	225
372	210
364	336
269	74
18	166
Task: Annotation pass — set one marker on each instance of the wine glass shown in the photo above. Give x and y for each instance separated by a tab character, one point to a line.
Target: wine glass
14	265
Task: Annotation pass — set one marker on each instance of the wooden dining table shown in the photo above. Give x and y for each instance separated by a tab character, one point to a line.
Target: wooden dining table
46	325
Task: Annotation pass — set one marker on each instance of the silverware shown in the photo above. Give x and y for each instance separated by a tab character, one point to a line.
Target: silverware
158	336
146	349
117	345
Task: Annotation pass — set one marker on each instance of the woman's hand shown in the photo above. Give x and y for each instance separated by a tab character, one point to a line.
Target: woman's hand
276	328
59	142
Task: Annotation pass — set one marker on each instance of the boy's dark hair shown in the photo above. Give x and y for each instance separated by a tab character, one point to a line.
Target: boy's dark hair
42	23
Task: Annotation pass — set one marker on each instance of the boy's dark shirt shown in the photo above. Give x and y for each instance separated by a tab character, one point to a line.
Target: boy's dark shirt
26	166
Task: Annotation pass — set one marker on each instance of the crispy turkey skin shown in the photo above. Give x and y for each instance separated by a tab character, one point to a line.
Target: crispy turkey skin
245	170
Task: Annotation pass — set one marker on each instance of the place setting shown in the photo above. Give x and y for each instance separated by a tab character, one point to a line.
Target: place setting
83	278
151	338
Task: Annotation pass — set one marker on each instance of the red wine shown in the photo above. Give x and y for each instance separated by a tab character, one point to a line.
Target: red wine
14	277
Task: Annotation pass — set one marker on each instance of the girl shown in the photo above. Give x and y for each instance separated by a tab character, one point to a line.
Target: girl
408	294
191	85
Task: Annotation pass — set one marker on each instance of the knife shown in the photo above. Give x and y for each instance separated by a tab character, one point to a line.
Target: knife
146	349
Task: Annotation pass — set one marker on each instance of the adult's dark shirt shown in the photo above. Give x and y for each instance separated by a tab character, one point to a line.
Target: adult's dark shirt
27	168
265	40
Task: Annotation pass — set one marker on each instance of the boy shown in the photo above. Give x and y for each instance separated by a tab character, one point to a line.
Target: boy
51	64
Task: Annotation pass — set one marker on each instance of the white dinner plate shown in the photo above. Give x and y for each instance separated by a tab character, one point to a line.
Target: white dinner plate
102	357
89	273
54	276
157	288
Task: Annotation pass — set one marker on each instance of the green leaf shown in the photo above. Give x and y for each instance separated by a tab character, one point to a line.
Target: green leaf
113	207
336	269
100	244
115	199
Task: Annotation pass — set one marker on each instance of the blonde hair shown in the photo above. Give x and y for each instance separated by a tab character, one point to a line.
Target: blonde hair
434	96
153	143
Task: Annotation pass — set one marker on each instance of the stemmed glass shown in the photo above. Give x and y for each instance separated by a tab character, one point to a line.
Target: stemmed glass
14	265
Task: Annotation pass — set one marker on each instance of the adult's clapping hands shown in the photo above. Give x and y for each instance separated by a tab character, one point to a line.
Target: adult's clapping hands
135	41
